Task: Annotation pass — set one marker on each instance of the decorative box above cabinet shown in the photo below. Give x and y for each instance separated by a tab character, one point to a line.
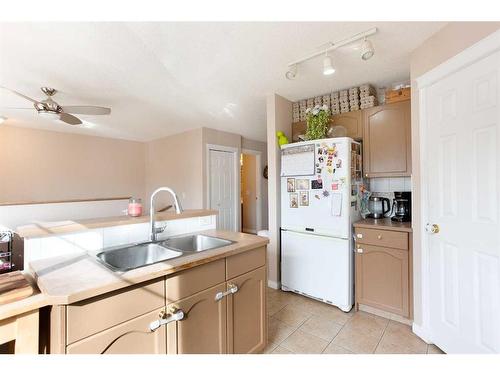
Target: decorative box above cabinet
387	140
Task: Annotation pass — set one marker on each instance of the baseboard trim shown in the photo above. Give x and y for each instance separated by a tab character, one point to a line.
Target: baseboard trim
421	332
385	314
273	284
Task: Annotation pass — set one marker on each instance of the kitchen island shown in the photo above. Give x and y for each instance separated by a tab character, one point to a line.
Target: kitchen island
220	292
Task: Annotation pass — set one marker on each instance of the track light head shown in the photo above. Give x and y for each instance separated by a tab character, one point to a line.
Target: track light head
328	68
292	72
367	50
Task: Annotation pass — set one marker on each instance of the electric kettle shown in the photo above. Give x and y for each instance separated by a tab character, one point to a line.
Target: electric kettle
378	207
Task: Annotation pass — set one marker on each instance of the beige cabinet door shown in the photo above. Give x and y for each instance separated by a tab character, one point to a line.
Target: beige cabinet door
131	337
386	140
382	278
246	317
352	122
203	329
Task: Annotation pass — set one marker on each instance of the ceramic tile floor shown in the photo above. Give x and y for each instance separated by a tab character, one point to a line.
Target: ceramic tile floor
300	325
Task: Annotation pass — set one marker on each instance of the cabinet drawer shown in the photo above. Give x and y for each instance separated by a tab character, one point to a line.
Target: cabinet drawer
242	263
377	237
99	313
131	337
194	280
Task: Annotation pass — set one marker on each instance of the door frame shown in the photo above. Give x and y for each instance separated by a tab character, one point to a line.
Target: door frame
235	152
258	185
476	52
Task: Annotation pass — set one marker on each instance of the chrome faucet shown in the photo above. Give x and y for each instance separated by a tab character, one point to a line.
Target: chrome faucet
178	210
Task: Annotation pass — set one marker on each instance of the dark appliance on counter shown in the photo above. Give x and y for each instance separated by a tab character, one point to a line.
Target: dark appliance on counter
401	206
11	252
378	207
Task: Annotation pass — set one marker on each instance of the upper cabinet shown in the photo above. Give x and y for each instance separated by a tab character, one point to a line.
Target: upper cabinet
386	134
352	122
387	140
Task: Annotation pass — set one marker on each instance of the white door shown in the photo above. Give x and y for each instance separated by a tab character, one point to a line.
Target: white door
222	188
318	266
463	159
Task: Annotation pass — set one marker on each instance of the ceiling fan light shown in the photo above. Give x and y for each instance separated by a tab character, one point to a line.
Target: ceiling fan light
367	50
49	114
328	69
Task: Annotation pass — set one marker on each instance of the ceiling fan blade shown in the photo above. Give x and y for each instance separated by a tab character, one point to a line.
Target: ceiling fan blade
86	110
69	119
19	94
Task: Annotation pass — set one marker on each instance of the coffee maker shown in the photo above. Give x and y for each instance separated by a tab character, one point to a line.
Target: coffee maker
401	206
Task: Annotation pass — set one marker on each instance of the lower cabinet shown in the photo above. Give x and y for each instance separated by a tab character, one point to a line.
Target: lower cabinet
218	307
228	318
131	337
246	313
382	277
203	328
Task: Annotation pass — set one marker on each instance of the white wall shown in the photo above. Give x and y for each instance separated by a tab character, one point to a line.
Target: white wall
279	118
13	216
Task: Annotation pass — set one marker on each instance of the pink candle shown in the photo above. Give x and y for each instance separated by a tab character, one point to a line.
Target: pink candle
134	207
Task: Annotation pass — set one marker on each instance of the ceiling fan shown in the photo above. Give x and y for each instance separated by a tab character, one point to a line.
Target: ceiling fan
50	108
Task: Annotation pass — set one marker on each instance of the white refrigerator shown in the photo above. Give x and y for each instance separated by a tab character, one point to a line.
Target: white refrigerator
319	190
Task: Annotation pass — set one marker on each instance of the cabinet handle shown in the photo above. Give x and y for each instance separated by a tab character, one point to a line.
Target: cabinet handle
174	315
379	236
233	288
359	235
359	251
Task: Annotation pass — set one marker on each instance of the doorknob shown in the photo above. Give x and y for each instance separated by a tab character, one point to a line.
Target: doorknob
432	228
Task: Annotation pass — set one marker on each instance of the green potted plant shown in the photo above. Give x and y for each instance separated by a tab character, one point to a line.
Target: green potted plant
317	122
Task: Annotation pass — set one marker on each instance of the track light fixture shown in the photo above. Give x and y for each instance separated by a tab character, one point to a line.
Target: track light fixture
367	51
292	72
327	66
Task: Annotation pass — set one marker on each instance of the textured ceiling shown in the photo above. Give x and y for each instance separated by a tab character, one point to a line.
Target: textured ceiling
164	78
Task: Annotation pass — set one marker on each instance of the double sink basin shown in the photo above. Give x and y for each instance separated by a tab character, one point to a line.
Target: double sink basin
143	254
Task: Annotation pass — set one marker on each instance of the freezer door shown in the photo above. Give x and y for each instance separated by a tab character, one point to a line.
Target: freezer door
319	266
326	210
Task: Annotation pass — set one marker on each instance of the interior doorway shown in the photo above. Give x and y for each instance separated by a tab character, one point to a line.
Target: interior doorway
223	189
250	197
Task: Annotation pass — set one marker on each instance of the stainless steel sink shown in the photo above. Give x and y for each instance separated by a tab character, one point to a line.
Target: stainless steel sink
195	243
135	256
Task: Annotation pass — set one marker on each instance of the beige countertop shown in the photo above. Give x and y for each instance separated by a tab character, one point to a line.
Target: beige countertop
70	226
33	302
386	224
69	279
